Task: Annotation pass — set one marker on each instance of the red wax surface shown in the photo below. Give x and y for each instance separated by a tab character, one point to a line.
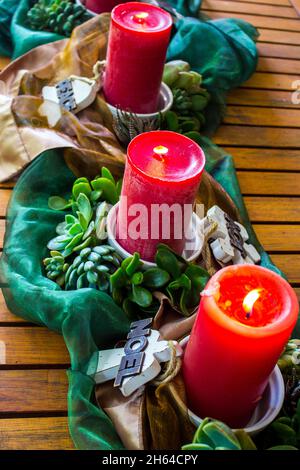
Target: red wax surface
230	355
137	45
101	6
150	178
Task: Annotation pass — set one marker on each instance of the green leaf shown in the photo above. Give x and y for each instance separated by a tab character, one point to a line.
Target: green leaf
245	440
118	279
137	278
85	209
168	262
105	173
83	245
155	278
81	188
133	264
221	435
108	188
119	187
129	308
92	277
141	296
95	195
283	447
75	229
195	446
58	203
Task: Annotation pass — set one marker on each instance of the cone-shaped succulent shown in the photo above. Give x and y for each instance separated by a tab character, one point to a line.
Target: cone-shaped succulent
56	267
92	268
58	16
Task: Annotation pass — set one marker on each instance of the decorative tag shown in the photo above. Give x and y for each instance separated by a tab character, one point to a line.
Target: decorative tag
135	364
73	93
229	239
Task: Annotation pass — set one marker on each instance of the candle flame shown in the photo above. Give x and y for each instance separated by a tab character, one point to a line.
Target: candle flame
141	16
160	150
250	300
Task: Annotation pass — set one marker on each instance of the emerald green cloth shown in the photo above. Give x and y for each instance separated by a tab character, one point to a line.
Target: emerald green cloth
224	52
15	36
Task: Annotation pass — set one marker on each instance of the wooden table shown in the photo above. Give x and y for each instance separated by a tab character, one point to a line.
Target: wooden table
261	131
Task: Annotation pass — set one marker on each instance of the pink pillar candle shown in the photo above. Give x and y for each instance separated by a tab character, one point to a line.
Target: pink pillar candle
162	167
245	318
137	45
101	6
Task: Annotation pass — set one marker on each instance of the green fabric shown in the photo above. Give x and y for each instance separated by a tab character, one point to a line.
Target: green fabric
88	319
15	37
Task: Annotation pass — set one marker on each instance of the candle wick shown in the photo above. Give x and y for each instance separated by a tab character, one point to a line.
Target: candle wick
159	152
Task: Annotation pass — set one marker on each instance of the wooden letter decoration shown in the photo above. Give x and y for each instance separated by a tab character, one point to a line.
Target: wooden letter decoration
135	364
65	94
228	241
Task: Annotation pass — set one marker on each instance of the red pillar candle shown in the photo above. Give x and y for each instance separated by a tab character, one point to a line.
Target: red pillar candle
137	45
162	167
101	6
245	318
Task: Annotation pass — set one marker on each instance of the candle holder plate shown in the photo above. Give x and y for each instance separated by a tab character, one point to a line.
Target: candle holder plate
192	249
266	410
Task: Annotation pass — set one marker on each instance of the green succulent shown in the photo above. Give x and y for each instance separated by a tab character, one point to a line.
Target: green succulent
57	16
102	188
215	435
187	279
56	267
132	288
92	268
189	100
290	358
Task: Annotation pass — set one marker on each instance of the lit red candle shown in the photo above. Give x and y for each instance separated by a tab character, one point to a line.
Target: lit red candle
162	167
137	45
245	318
101	6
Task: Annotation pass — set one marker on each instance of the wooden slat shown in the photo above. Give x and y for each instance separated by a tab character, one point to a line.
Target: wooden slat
289	264
266	22
252	116
257	136
272	98
33	391
272	81
271	2
31	345
5	315
2	230
277	37
273	209
279	237
277	65
4	198
283	184
296	5
265	159
283	51
35	434
254	8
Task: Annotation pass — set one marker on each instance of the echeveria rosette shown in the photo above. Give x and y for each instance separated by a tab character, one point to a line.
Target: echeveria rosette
56	267
132	288
187	279
189	100
57	16
215	435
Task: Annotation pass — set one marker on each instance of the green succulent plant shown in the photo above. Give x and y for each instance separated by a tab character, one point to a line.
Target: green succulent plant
189	100
102	188
290	358
215	435
56	267
132	288
57	16
187	279
92	268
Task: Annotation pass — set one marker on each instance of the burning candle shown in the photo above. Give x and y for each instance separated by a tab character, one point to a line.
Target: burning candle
245	318
137	46
101	6
162	175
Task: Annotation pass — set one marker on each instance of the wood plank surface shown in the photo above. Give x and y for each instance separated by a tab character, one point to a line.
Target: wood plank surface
5	315
20	391
283	51
254	8
261	116
22	346
266	22
256	97
289	264
35	434
4	199
274	81
265	159
255	136
273	209
275	183
277	37
278	237
278	65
